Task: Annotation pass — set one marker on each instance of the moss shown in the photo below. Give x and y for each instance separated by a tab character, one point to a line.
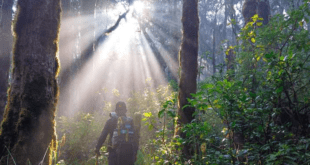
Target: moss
188	64
188	58
249	10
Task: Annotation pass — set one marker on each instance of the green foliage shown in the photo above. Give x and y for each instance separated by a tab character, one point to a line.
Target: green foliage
79	137
264	104
257	114
148	103
174	85
167	145
157	143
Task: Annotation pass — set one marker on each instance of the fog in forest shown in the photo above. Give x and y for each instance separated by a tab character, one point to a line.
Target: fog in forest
141	52
128	50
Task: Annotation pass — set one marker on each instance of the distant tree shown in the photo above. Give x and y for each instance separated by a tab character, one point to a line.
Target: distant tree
230	54
28	127
188	64
5	49
249	10
213	48
264	11
252	7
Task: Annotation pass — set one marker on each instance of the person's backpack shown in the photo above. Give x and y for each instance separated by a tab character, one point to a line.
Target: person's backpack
124	131
123	140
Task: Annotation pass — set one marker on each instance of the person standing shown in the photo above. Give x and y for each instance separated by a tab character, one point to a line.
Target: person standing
121	145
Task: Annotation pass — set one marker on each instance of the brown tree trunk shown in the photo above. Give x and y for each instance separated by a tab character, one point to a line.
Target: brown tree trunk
188	64
252	7
249	10
28	128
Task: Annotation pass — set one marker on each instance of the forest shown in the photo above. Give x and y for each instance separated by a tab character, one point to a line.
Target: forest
221	82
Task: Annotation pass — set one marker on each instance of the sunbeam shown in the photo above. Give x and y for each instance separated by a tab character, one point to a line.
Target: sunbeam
138	7
115	54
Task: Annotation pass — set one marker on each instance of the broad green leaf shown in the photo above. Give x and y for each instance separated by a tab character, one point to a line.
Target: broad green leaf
207	86
291	56
161	113
233	124
149	114
251	33
279	90
171	113
255	17
227	52
165	105
243	98
225	81
264	59
280	72
253	40
253	95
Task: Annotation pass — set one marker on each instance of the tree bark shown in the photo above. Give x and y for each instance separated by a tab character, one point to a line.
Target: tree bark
252	7
28	128
249	10
263	11
188	65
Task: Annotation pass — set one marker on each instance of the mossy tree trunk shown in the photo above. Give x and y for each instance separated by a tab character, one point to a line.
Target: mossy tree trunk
188	59
252	7
28	128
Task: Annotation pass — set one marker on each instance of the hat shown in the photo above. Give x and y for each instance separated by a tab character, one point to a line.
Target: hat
120	106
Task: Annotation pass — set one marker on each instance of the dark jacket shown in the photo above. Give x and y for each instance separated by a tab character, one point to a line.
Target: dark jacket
108	129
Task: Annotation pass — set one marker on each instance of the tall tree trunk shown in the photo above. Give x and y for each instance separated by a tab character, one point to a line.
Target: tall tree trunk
232	15
230	56
188	64
224	30
28	128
